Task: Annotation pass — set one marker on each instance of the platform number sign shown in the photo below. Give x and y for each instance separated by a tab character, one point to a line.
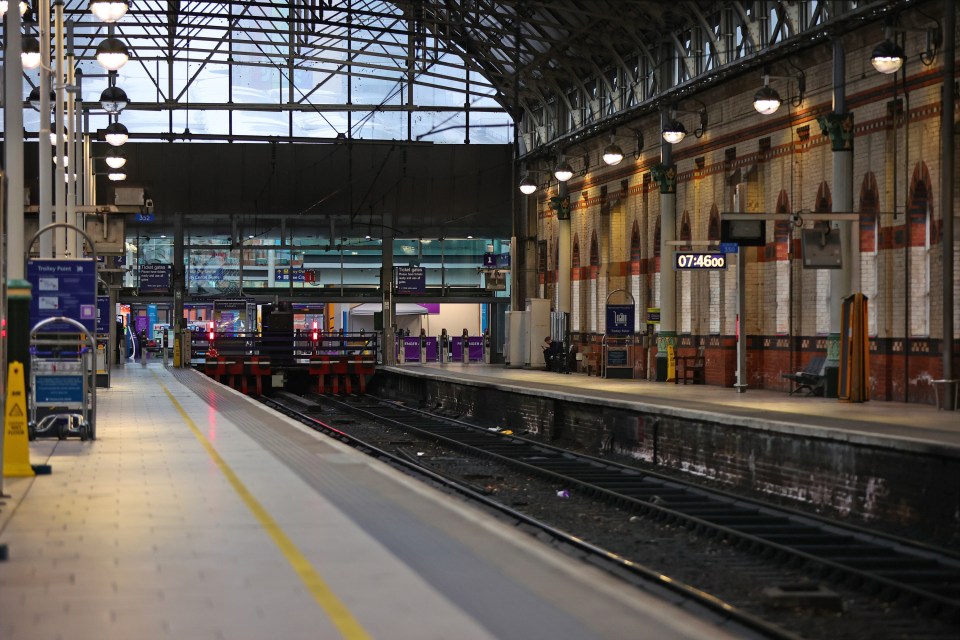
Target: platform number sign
687	260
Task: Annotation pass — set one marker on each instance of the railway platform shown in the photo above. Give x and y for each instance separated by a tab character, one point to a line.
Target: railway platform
198	513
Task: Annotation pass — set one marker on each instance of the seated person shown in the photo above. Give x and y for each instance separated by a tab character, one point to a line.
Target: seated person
552	354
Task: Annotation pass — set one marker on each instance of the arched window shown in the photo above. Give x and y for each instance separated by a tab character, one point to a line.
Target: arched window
634	278
782	237
714	317
869	245
591	311
920	237
824	203
686	280
576	322
656	264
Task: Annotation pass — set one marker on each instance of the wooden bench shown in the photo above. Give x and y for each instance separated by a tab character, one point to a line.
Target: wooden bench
693	367
812	378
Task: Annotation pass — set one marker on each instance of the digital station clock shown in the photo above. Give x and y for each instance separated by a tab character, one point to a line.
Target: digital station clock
694	260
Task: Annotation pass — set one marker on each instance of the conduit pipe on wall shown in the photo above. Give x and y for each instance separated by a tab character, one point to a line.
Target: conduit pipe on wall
946	189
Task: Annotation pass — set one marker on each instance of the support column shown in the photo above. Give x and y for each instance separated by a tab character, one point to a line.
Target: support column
18	289
59	180
665	175
45	148
564	255
389	307
179	278
72	168
839	126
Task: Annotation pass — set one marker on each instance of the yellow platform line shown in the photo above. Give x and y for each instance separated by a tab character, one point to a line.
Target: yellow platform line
341	617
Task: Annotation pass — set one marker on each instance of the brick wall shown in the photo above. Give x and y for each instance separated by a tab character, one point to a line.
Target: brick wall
863	483
785	164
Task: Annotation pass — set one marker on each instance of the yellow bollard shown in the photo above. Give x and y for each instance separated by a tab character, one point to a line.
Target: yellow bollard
16	450
671	363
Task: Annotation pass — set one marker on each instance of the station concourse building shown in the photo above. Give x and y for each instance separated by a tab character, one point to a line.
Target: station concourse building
758	187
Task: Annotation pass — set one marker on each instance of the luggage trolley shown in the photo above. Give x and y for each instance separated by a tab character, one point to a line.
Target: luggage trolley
63	401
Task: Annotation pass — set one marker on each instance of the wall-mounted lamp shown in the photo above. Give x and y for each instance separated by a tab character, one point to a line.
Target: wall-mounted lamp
563	171
613	154
527	185
767	100
117	175
674	131
113	100
109	10
888	56
112	54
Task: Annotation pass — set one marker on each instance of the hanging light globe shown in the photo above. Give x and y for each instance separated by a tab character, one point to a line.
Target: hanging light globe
115	158
116	134
113	100
112	54
109	10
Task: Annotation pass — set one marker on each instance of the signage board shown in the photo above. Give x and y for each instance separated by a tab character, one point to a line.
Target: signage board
695	260
63	288
619	319
503	261
411	280
214	274
283	275
156	278
104	317
58	390
653	315
729	247
616	357
489	260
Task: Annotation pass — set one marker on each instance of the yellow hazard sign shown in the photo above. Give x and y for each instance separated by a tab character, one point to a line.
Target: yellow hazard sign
16	449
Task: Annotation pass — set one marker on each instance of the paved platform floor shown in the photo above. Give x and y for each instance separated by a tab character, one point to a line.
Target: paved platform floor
881	423
197	513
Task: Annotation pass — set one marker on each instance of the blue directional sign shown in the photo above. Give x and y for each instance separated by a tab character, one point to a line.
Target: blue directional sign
619	319
63	288
729	247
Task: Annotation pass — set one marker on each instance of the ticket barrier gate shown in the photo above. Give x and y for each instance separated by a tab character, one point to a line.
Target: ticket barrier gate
486	347
465	347
444	341
423	346
63	387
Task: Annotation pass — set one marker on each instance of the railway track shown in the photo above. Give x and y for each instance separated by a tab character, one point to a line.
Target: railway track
730	618
918	575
